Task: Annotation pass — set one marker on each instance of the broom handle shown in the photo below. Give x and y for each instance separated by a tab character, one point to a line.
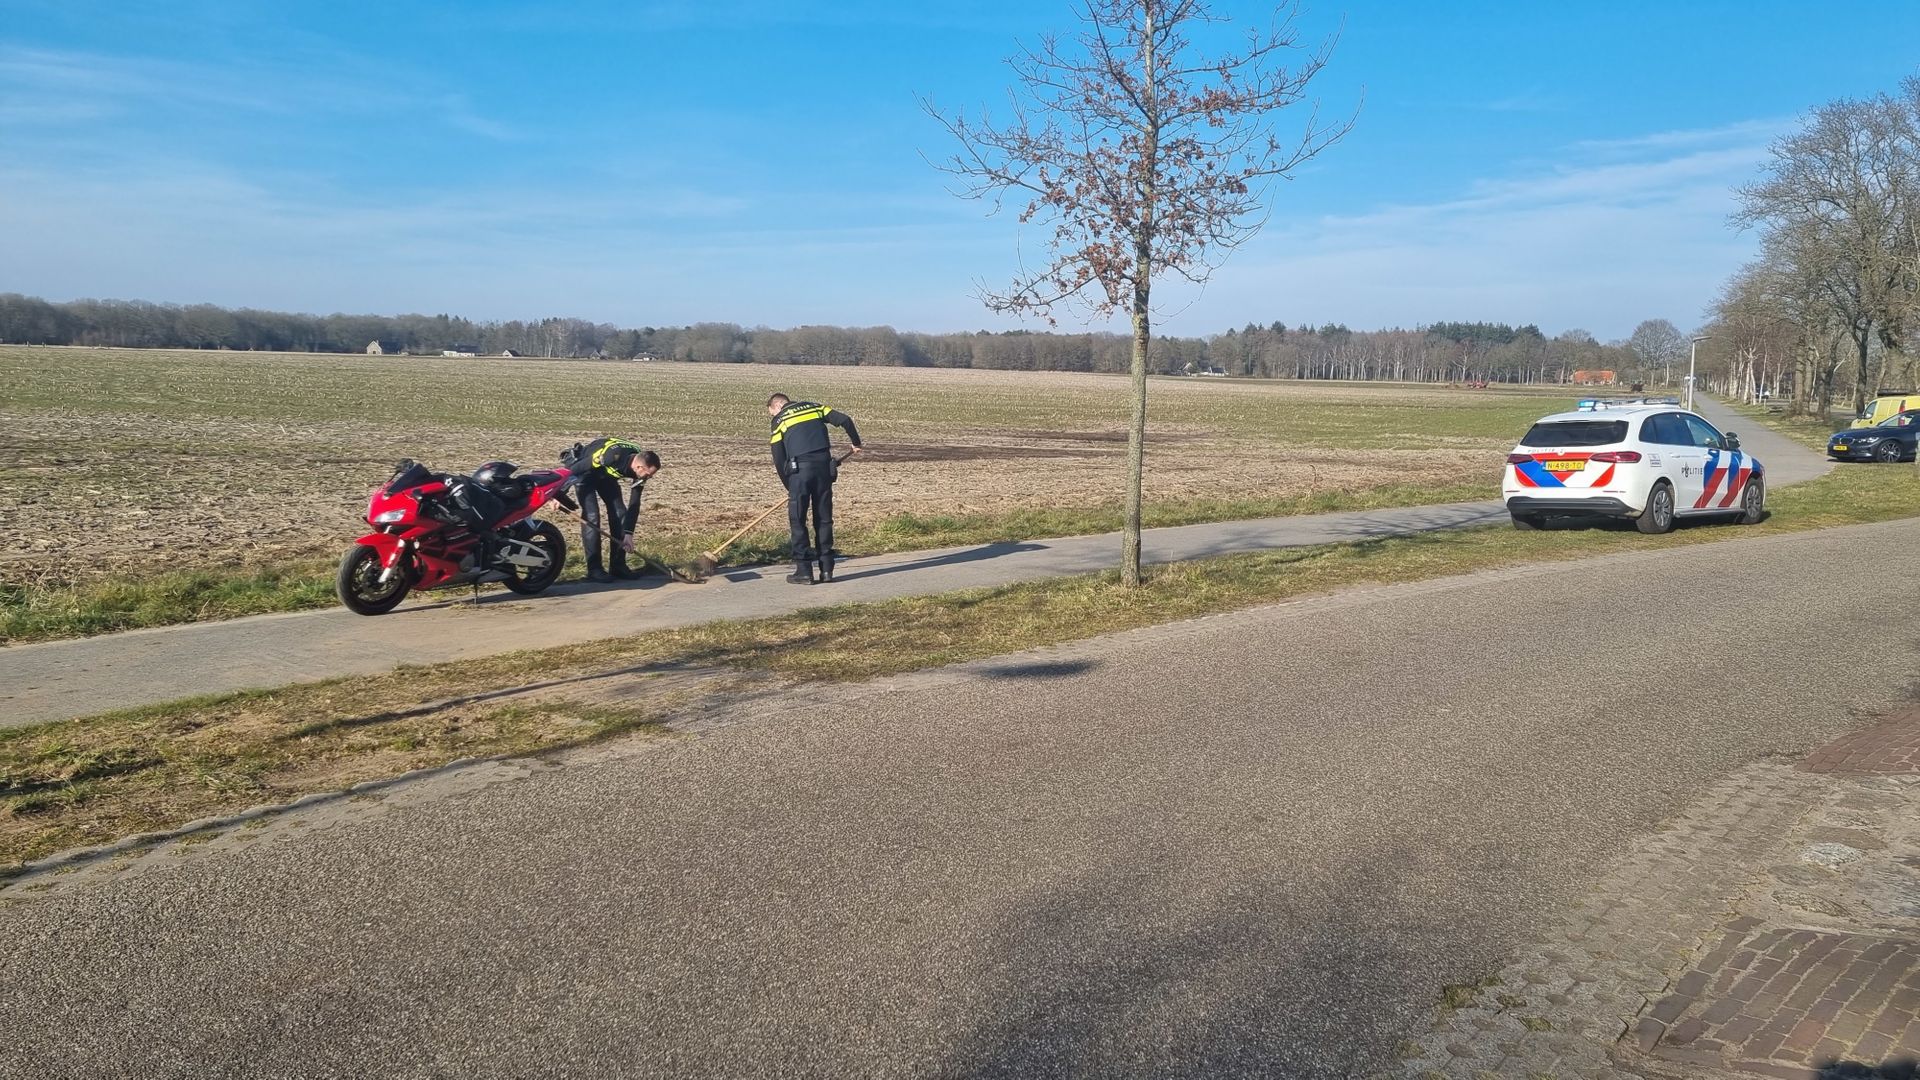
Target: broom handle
764	514
575	515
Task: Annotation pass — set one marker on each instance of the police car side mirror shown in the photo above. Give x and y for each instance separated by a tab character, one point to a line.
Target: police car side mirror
1733	441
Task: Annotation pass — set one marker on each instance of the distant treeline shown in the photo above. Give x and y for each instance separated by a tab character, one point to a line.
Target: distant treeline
1443	352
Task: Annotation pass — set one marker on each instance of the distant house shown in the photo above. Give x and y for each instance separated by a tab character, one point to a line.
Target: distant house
1595	378
508	352
644	358
385	348
461	350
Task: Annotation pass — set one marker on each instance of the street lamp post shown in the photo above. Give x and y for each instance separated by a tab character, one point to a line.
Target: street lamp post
1693	350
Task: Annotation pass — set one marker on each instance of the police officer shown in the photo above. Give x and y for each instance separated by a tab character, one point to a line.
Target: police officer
600	465
803	456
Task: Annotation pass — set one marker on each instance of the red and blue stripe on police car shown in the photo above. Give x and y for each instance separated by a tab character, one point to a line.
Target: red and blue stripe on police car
1551	470
1734	473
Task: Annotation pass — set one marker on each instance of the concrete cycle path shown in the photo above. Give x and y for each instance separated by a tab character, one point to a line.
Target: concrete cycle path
1787	461
62	679
59	680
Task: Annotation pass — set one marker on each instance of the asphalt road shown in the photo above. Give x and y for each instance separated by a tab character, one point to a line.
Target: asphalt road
1251	845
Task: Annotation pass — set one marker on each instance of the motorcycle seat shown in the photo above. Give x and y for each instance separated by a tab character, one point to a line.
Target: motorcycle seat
514	491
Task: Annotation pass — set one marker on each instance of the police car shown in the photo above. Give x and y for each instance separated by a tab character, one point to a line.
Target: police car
1651	464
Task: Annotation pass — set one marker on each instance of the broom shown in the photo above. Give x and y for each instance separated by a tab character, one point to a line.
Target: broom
709	561
645	560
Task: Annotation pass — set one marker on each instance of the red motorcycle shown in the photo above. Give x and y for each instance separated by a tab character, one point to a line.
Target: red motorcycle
429	533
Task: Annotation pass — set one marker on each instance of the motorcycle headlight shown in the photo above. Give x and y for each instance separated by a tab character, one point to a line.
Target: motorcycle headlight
389	517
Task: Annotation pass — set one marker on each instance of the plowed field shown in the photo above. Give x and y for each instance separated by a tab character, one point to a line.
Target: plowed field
120	462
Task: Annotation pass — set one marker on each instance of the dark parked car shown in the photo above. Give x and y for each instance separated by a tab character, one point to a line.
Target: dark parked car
1892	439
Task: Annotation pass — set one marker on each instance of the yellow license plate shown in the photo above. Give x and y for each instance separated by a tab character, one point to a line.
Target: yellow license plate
1565	466
1839	446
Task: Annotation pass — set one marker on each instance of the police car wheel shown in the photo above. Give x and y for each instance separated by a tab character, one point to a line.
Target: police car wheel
1753	502
1657	518
1528	522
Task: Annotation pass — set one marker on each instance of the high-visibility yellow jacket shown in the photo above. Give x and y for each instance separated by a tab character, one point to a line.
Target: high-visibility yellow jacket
800	432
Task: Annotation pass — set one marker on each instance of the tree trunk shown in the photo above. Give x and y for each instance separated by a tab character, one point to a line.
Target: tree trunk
1862	337
1137	429
1797	404
1142	308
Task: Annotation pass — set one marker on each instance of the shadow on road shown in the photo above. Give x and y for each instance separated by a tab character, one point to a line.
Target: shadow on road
1039	669
482	696
1249	975
1235	538
455	598
978	554
1611	524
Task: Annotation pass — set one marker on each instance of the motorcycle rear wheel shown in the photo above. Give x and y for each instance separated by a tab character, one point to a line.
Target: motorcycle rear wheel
359	586
547	538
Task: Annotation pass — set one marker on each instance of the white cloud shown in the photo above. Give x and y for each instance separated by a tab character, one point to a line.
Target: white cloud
1622	231
645	250
1616	232
94	86
1743	133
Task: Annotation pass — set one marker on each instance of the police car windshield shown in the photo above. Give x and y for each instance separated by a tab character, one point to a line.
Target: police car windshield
1576	433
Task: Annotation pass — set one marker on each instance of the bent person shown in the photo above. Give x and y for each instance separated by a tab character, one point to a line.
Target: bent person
600	465
803	456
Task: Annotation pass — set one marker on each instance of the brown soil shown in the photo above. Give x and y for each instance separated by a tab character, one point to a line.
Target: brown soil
134	482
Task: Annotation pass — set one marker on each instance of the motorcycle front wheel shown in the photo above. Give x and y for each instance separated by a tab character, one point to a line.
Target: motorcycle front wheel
359	583
525	580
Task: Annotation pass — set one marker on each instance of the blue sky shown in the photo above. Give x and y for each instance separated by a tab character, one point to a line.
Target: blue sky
1566	164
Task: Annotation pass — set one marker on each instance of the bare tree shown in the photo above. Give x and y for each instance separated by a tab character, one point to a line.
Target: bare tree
1839	196
1751	317
1658	343
1144	157
1806	294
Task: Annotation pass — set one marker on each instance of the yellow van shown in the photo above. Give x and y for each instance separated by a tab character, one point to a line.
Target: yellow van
1884	406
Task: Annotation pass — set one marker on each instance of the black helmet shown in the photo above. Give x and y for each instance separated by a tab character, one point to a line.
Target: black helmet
494	472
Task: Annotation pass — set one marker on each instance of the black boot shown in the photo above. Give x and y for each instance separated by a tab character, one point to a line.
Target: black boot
802	572
617	566
826	569
595	571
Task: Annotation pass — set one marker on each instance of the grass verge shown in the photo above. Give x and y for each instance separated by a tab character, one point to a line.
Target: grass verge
90	780
31	613
96	780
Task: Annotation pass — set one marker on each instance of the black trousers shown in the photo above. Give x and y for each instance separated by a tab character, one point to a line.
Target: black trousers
594	490
810	491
